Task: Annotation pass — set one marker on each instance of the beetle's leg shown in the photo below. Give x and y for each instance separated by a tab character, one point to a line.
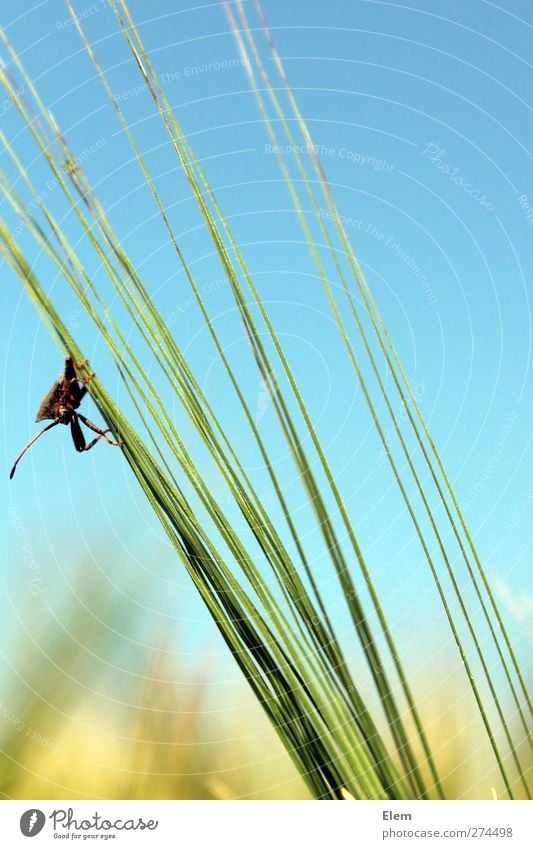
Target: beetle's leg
77	434
84	380
101	433
79	366
83	392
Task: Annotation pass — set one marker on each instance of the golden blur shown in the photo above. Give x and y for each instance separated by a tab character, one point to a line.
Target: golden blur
80	717
90	707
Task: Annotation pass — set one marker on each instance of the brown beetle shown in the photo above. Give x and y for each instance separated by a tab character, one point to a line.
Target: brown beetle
60	405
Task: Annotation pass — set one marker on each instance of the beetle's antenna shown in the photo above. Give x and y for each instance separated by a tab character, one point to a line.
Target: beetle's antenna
35	438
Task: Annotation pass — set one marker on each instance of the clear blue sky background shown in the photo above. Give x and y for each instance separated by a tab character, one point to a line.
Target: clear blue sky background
411	103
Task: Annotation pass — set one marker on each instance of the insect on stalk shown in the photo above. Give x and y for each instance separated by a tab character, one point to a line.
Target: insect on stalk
61	404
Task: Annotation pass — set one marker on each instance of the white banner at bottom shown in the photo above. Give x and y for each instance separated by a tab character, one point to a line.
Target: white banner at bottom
267	825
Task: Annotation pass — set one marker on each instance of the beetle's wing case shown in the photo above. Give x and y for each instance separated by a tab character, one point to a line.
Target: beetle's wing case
66	381
48	408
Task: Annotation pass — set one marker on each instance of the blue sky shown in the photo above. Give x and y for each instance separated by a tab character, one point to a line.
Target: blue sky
422	116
